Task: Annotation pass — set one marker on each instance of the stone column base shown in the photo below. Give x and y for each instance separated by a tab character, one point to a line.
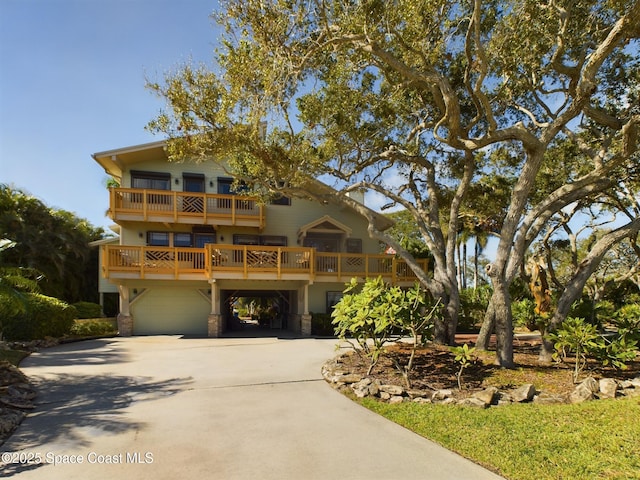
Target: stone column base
125	325
305	325
214	325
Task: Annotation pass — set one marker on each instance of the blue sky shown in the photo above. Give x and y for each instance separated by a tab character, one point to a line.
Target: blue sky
72	83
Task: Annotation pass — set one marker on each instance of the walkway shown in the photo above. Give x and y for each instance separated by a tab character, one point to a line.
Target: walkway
168	407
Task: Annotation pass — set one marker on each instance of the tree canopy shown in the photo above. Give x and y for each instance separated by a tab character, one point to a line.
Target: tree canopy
435	105
52	242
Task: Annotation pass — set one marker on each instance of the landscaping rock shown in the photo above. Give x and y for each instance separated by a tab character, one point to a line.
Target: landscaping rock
548	399
473	402
348	378
392	389
9	421
440	395
607	387
487	395
523	394
16	396
504	398
338	375
421	400
631	392
361	388
419	393
585	391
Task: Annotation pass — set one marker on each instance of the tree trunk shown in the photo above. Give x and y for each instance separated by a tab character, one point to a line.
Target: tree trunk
444	327
487	329
503	324
476	255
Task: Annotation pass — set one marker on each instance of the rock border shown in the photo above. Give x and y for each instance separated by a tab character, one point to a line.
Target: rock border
16	398
361	386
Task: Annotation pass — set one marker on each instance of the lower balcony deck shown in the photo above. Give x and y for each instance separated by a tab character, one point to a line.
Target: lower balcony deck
219	261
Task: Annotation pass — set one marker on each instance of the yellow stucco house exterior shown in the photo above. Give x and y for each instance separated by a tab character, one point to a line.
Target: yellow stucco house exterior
189	247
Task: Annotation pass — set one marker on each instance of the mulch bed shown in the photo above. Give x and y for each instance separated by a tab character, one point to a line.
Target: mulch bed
435	369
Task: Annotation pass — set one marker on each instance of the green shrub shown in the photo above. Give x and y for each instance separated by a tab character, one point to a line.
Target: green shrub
596	313
375	314
523	312
577	337
91	328
473	305
44	317
583	340
88	310
321	324
627	321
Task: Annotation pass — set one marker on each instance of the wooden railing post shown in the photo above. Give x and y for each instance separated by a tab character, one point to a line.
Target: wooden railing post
245	261
142	261
279	263
393	270
144	204
312	263
175	206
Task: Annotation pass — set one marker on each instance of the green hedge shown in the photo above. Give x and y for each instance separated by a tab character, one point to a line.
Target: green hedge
321	324
88	309
94	327
44	317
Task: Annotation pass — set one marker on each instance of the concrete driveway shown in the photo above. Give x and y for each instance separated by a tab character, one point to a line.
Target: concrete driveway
230	408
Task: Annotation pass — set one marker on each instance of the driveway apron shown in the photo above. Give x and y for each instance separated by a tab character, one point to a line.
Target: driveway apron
168	407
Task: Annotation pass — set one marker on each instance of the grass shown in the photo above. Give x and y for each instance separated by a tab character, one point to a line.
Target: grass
592	440
12	356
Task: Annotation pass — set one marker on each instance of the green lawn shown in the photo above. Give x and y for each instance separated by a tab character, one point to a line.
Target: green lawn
593	440
12	356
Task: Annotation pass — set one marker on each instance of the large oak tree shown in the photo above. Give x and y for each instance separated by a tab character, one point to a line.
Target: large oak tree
420	102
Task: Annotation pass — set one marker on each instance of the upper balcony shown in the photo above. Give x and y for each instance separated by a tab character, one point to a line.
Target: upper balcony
219	261
141	205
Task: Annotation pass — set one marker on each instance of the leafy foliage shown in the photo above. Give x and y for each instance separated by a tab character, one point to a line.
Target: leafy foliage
577	337
464	356
44	317
13	283
53	242
365	314
582	339
90	328
376	314
88	309
473	304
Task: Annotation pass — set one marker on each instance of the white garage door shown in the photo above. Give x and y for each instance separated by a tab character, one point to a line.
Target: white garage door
170	311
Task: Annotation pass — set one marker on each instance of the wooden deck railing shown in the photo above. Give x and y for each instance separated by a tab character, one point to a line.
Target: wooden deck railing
250	262
184	207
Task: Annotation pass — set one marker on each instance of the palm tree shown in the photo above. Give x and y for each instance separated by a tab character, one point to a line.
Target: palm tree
14	281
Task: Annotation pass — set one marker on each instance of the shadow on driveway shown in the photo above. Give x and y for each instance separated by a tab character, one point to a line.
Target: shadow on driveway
71	408
91	352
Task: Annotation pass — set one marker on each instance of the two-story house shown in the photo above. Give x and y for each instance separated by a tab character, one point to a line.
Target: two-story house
189	247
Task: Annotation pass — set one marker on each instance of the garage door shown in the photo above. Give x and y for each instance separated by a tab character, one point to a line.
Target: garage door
170	311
